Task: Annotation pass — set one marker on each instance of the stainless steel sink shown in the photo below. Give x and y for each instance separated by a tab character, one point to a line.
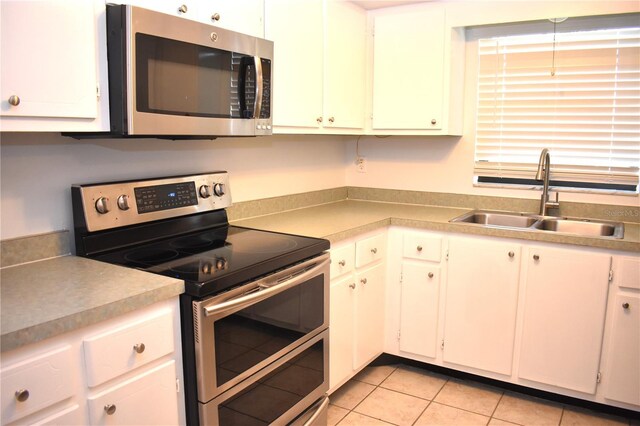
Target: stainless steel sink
586	227
534	222
499	219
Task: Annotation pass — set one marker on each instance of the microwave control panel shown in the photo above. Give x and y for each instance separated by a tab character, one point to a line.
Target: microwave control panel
117	204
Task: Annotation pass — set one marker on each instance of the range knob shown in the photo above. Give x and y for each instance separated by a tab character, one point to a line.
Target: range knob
102	205
123	202
205	191
218	189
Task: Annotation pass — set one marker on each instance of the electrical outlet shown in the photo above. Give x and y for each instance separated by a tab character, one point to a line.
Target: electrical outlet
361	165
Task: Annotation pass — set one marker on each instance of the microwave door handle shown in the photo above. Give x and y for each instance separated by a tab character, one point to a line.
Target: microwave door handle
257	106
261	292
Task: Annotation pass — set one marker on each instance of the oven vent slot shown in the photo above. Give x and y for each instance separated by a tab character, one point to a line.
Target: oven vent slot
196	323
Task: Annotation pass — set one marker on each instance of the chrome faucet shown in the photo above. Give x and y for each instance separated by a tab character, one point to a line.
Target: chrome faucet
544	170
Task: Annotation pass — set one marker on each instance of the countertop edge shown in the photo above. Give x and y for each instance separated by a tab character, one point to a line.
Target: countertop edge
59	326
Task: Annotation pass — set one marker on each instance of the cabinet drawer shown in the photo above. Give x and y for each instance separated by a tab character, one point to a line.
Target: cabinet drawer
45	380
627	272
149	398
342	260
117	351
371	250
69	416
421	246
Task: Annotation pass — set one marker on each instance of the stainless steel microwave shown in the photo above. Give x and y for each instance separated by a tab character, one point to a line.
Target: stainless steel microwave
177	78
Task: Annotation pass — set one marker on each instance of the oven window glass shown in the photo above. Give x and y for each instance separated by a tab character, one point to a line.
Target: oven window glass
247	337
269	398
178	78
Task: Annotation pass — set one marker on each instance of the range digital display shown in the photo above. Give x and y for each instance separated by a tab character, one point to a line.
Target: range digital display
164	197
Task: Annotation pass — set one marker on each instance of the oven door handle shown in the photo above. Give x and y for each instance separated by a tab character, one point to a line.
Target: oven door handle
262	291
321	407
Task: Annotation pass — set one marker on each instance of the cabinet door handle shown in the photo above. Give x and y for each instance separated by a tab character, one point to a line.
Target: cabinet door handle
511	254
110	409
419	248
14	100
430	274
319	120
182	9
215	17
139	348
331	119
625	306
22	395
536	257
342	263
374	250
363	280
433	121
352	285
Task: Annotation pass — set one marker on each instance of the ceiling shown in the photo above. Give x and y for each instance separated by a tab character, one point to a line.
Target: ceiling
376	4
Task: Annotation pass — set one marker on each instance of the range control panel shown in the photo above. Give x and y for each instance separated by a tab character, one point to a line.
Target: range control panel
116	204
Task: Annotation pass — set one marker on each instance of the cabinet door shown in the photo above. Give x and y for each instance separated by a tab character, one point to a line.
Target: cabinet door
563	322
623	366
344	66
482	296
341	326
408	68
295	27
48	59
420	291
369	316
243	16
147	399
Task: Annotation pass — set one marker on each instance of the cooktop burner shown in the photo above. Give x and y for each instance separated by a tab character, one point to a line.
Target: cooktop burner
214	260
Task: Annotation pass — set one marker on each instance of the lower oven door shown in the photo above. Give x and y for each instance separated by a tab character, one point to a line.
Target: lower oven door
245	329
292	389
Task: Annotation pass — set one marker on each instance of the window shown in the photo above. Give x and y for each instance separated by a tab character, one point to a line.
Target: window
576	93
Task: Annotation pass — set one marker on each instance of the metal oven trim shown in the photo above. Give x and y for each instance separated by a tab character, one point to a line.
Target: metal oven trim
238	299
208	411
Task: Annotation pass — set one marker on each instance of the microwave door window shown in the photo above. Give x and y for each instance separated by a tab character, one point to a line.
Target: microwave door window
179	78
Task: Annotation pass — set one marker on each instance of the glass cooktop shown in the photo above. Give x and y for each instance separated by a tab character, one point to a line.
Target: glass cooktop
215	260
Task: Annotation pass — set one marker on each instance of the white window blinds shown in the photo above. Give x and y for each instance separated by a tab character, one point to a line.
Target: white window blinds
576	93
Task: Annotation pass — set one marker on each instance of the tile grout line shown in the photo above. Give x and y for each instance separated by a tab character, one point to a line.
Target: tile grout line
430	402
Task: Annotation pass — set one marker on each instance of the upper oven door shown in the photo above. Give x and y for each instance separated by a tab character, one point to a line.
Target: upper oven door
245	329
188	78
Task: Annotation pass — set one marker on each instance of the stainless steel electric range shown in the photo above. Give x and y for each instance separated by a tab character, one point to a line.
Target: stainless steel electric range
255	311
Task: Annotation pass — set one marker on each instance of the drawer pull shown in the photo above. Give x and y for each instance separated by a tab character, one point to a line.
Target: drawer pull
352	285
363	280
22	395
419	248
511	254
374	250
536	257
625	306
110	409
342	263
14	100
430	275
139	348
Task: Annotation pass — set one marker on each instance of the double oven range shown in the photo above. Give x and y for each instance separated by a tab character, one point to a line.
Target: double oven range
255	310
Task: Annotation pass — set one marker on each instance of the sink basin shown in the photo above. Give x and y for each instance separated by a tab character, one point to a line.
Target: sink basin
585	227
534	222
499	219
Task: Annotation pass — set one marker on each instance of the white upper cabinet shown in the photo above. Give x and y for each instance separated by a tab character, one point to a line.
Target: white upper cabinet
417	71
243	16
48	73
319	65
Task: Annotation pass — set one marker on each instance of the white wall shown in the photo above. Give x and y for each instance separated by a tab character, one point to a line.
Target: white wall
445	164
37	170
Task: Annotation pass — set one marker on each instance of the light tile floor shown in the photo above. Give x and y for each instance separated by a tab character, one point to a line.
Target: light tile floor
402	395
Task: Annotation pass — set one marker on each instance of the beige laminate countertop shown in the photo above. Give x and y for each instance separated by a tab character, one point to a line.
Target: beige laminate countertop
45	298
344	219
49	297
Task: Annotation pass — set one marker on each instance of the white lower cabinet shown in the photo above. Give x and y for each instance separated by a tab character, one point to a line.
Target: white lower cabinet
357	305
124	370
145	399
419	300
563	317
481	302
553	317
